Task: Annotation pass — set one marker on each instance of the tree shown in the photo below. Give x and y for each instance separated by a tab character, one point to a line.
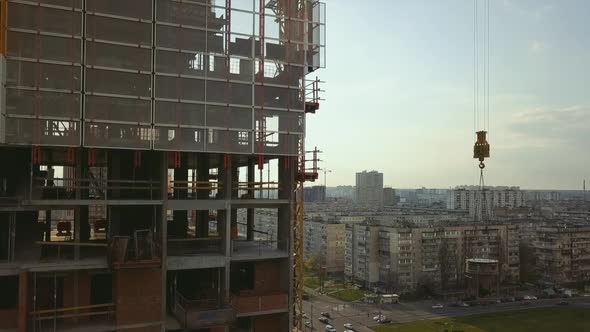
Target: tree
443	260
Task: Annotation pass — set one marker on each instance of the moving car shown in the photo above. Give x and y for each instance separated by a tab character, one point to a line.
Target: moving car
563	303
437	306
379	317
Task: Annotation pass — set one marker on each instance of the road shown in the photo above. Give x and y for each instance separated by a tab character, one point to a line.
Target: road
360	315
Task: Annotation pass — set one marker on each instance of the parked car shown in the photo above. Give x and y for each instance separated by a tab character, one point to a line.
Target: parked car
464	304
305	315
326	314
308	323
330	328
385	321
324	320
348	326
437	306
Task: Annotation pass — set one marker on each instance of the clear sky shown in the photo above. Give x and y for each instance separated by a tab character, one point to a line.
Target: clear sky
400	93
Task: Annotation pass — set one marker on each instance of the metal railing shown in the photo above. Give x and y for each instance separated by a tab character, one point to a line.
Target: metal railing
245	303
258	247
51	319
194	246
202	312
100	189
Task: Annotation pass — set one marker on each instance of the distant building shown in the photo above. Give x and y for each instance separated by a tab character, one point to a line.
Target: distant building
369	189
314	194
469	198
326	241
546	196
389	197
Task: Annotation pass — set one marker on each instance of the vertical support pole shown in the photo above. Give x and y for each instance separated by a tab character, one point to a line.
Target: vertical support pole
164	236
202	220
23	308
250	214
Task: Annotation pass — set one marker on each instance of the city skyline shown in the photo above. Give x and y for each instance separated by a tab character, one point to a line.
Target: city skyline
409	111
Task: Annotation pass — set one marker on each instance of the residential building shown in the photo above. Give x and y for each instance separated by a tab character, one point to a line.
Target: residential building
325	241
410	256
473	199
369	189
563	253
389	198
361	254
314	194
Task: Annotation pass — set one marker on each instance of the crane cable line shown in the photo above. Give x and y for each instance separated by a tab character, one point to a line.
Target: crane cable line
481	109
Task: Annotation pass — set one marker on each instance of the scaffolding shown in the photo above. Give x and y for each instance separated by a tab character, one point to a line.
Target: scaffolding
211	76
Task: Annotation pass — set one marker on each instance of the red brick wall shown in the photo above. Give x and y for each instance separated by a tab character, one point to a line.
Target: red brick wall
8	318
137	295
83	291
268	323
267	277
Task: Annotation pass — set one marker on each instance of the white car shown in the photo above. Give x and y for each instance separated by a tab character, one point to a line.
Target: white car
437	306
308	323
378	318
348	330
330	328
348	326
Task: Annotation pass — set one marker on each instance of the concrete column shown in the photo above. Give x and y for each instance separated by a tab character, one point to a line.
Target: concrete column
164	230
47	225
285	213
23	306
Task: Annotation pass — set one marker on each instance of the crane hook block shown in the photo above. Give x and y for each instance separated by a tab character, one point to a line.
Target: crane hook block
481	149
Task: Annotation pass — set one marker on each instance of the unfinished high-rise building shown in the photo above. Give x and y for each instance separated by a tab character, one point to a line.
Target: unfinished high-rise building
131	134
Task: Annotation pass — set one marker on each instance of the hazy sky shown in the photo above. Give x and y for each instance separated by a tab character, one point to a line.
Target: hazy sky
400	93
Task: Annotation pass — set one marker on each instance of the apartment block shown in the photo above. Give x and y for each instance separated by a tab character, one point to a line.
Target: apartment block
437	256
470	198
361	253
563	253
132	133
325	240
369	189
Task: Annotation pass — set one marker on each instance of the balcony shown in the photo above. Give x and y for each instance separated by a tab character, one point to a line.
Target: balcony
201	313
247	305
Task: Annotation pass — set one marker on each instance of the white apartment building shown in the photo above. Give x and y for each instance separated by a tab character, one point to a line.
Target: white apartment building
369	189
361	253
469	198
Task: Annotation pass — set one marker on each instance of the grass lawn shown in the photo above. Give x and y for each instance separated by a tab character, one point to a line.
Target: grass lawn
531	320
348	295
312	282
